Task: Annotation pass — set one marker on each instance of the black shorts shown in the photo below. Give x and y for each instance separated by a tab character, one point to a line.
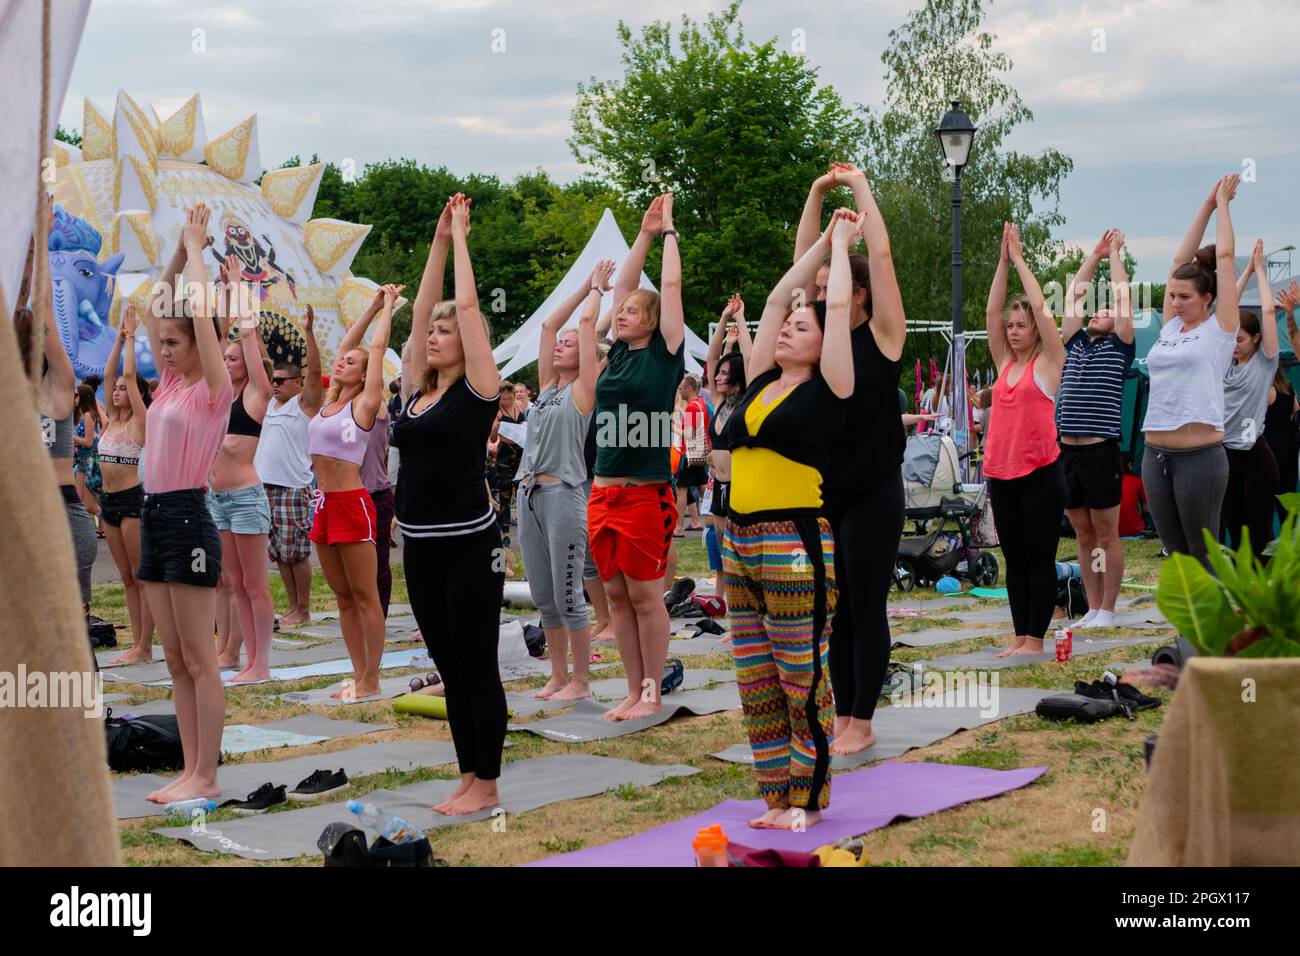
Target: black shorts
1094	475
692	476
116	505
179	543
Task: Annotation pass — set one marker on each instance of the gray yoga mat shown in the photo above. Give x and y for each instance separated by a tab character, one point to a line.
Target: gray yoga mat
900	729
297	657
396	629
984	659
315	726
389	687
931	636
697	646
238	780
524	785
147	708
394	610
932	604
390	661
522	703
585	721
516	594
1141	617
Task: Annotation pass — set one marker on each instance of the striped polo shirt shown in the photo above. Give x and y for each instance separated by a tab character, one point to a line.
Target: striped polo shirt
1091	398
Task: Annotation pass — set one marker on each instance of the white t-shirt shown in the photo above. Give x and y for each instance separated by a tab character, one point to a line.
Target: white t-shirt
1187	370
283	454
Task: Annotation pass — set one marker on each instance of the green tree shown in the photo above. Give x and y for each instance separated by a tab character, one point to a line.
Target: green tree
70	136
941	53
737	130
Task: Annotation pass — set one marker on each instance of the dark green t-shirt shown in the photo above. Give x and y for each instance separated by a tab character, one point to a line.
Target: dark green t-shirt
634	410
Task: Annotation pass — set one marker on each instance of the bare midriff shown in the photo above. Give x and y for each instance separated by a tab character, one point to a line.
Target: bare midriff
335	474
1191	435
1082	440
721	462
233	468
604	481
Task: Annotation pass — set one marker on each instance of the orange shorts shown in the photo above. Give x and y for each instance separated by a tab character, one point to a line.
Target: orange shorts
631	529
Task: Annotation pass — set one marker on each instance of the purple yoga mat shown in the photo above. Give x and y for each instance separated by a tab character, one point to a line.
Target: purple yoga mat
860	801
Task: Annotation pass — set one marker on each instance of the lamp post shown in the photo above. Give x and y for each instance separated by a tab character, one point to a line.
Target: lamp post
956	135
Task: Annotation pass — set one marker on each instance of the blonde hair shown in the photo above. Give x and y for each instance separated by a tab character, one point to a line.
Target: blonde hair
649	301
336	387
442	312
1021	303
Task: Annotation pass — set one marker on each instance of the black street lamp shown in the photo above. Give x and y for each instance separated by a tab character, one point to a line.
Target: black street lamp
956	135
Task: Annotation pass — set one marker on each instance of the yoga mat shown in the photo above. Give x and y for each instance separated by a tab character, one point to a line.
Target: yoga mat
697	646
396	629
390	660
522	703
517	594
931	636
525	785
930	604
394	610
237	780
984	659
320	696
990	593
899	729
156	673
148	708
860	802
586	720
293	732
1141	618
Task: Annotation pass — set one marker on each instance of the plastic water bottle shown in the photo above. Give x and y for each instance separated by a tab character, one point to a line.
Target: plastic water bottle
184	809
392	828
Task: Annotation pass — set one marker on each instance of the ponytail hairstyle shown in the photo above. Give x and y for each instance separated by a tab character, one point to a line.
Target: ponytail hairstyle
1201	271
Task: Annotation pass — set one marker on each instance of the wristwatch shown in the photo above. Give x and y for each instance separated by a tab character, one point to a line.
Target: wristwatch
670	232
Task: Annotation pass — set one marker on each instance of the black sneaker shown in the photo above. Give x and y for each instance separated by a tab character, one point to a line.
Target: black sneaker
318	786
682	589
264	797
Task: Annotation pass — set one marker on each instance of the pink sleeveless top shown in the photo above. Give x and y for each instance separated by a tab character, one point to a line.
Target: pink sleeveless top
338	436
1022	427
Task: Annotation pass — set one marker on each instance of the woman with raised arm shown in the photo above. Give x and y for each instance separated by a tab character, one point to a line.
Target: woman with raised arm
344	526
1089	408
778	550
180	550
1252	470
1282	420
632	510
1185	466
85	451
552	505
1026	484
726	372
238	502
452	549
864	482
123	497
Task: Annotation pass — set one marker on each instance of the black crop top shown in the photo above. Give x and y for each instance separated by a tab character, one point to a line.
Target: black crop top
870	444
441	479
801	428
242	423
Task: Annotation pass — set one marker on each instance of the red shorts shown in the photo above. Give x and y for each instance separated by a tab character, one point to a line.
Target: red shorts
631	529
342	517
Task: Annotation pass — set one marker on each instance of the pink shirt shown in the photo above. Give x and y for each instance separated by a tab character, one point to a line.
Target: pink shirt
184	431
1022	427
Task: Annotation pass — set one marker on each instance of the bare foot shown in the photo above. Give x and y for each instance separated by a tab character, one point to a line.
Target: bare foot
370	691
347	692
796	817
163	793
616	713
1031	645
553	686
857	736
766	820
249	677
295	618
133	656
466	782
642	708
599	628
226	665
1020	642
574	690
433	690
481	796
841	725
195	787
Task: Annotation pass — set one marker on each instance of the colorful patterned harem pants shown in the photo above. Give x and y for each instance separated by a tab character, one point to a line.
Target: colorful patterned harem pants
780	580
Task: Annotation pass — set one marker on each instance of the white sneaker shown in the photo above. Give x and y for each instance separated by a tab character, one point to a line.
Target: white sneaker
1101	619
1084	621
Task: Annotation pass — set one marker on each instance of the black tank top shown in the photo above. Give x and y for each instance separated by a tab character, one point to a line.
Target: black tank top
242	423
870	444
1277	425
721	438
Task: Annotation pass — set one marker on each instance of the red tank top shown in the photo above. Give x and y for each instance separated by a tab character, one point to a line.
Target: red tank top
1022	427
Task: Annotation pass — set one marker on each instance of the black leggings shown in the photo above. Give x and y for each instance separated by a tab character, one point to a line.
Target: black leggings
455	585
1027	513
1249	500
866	528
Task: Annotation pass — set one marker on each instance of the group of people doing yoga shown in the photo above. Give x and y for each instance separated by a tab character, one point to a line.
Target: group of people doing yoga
233	461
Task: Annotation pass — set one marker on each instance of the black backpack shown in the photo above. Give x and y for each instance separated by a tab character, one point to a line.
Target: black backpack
143	743
1071	596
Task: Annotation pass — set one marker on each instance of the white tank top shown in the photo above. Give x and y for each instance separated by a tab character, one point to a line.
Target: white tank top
283	453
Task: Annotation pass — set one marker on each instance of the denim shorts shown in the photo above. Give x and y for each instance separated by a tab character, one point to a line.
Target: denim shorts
243	511
117	505
178	542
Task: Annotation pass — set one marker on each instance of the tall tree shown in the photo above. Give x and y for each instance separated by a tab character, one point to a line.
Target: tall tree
940	53
737	130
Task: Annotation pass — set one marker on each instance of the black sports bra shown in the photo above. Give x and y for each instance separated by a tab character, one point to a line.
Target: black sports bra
242	423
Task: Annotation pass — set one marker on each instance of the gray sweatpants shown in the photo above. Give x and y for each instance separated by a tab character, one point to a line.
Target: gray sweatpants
553	534
85	545
1184	489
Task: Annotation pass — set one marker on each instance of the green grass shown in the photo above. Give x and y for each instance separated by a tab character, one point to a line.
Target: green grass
1086	855
1007	758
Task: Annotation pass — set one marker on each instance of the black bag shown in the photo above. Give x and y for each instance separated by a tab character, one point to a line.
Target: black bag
1086	710
342	844
102	633
383	853
535	640
674	674
1071	596
143	743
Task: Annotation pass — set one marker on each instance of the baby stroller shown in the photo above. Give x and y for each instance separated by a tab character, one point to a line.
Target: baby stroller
950	519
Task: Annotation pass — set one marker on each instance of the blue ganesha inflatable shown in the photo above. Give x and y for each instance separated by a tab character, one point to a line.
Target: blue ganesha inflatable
83	296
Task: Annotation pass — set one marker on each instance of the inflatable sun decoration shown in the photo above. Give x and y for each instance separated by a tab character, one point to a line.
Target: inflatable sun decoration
121	201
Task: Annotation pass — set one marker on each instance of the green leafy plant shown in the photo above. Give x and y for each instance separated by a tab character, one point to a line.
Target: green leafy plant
1245	608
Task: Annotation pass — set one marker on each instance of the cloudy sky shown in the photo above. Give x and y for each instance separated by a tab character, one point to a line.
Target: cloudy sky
1184	91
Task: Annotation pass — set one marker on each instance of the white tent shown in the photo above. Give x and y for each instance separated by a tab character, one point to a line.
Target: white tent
606	242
